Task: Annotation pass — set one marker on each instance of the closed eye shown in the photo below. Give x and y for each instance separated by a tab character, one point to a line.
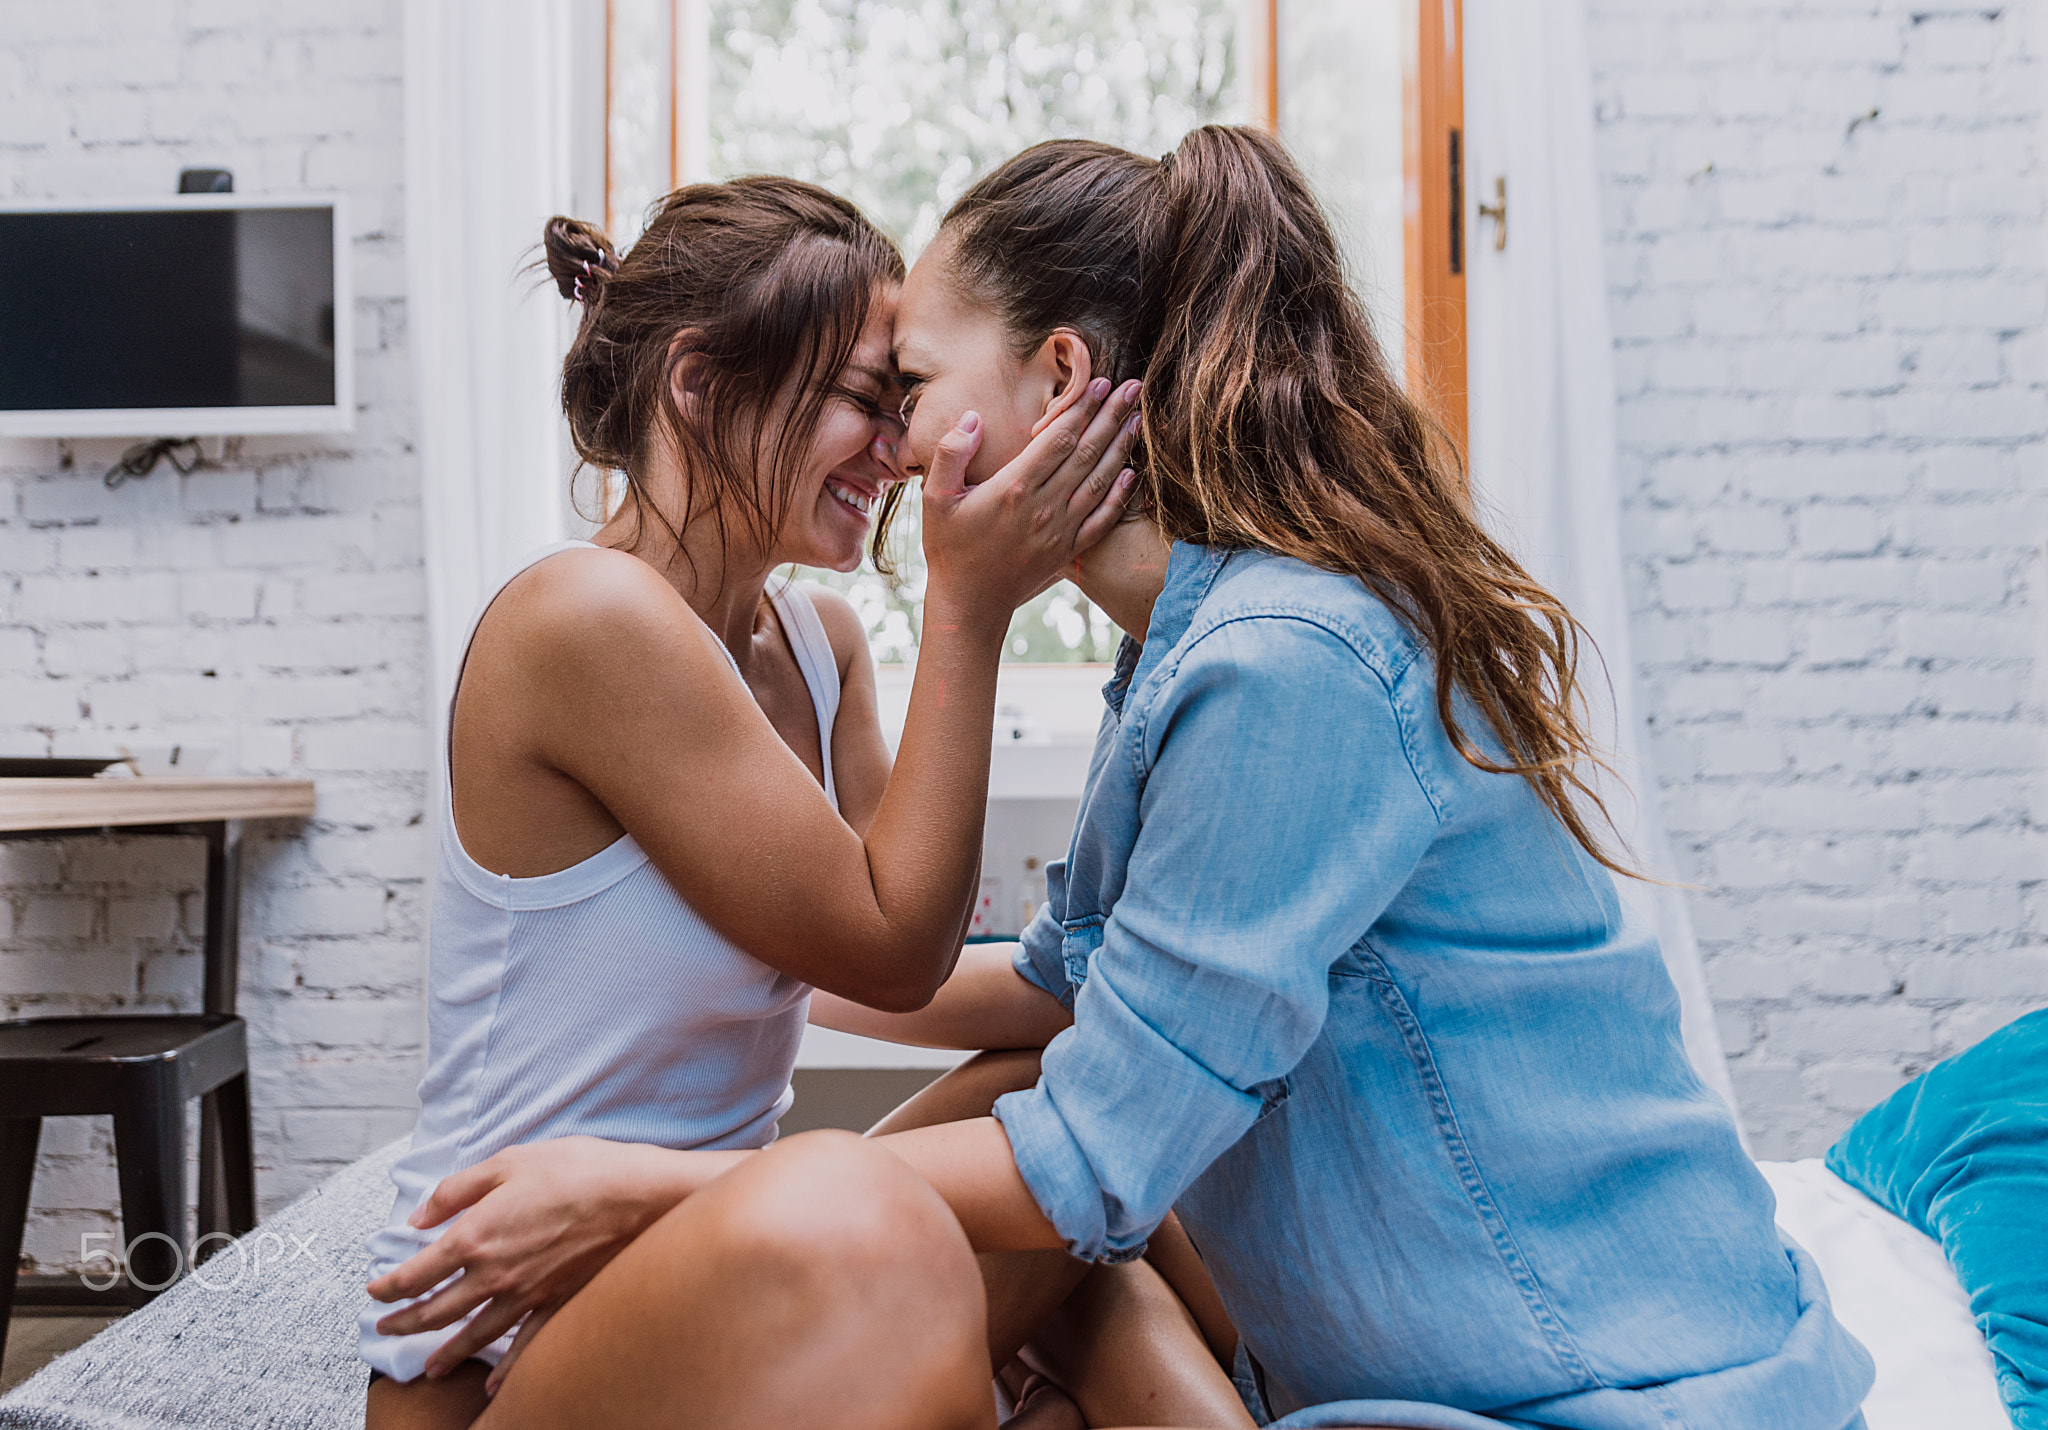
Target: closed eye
911	385
871	407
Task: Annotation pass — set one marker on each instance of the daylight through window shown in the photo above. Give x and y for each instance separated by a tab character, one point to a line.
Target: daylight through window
901	104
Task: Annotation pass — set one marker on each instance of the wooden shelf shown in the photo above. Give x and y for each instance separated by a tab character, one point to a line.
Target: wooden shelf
94	804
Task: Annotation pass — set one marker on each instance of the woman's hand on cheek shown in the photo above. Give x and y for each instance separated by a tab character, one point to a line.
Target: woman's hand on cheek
1002	542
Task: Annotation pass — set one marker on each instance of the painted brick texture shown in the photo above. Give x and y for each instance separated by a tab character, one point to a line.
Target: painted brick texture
1826	254
270	603
1826	248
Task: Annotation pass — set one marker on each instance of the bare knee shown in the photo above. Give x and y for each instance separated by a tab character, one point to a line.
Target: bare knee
832	1221
780	1294
842	1248
1127	1289
834	1191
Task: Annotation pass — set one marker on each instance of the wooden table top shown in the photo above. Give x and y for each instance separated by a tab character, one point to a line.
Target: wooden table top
93	804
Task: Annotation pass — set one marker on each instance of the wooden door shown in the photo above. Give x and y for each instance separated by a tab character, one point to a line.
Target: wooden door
1435	230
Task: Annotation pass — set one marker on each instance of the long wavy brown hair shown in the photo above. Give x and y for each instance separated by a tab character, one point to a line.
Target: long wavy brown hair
1272	420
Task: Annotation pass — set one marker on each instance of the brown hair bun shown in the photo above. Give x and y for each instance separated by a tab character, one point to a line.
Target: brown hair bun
578	256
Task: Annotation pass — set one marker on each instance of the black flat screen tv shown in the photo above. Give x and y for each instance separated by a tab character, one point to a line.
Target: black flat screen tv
191	315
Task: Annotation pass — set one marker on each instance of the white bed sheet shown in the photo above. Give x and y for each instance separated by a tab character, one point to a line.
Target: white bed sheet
1893	1289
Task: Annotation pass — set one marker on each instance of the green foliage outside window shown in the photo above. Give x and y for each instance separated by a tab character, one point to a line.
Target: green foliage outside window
901	104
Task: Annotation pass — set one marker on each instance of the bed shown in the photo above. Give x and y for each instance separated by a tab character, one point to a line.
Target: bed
274	1348
1893	1289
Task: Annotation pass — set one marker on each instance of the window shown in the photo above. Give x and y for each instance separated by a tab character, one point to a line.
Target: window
904	103
901	104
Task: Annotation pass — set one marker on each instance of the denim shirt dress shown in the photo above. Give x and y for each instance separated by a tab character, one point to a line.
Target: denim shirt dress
1388	1041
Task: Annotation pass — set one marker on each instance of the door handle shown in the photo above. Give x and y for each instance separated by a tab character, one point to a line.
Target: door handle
1498	212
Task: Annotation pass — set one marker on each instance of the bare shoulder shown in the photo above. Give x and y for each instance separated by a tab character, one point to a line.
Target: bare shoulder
591	607
588	577
843	627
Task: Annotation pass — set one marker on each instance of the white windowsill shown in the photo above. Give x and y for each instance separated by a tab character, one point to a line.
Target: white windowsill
1046	718
1049	714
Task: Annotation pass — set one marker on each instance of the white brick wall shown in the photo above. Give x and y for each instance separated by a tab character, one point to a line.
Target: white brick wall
1830	342
1826	254
271	604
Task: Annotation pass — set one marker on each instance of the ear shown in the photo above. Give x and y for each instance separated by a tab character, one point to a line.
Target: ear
1063	360
688	375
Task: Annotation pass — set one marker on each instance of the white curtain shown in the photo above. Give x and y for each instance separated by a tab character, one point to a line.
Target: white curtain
1542	405
487	142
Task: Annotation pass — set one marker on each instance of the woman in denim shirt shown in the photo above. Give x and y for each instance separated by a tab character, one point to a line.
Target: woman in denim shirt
1350	989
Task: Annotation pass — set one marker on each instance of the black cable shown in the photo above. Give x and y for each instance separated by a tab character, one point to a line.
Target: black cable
183	453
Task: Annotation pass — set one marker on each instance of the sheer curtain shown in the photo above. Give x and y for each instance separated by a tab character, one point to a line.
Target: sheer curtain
488	129
1542	406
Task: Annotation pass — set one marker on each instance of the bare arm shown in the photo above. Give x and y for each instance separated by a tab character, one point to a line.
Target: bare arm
970	1165
631	698
540	1220
985	1004
860	756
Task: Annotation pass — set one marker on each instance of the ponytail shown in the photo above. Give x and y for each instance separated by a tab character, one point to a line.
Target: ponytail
1272	421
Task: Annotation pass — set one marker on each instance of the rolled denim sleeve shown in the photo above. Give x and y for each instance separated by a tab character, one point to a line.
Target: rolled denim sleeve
1037	959
1280	814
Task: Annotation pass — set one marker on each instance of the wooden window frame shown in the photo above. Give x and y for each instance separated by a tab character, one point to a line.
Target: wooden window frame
677	33
1435	224
1434	220
1259	29
1437	241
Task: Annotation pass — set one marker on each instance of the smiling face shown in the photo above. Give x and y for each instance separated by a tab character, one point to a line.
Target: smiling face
843	477
955	356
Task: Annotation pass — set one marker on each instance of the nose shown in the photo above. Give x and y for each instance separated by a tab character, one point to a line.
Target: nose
887	449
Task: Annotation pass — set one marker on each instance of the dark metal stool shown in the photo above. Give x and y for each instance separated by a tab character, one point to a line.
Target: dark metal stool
142	1070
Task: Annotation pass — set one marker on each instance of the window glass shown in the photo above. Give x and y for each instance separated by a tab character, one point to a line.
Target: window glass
901	104
1342	114
637	138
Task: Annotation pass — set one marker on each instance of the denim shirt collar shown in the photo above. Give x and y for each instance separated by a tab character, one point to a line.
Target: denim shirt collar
1190	571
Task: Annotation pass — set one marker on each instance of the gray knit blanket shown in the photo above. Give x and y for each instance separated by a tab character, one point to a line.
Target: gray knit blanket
261	1337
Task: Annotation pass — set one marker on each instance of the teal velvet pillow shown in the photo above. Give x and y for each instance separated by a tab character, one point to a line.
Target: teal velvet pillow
1961	1152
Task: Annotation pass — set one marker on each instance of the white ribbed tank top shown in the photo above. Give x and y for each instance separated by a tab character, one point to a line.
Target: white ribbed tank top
593	1000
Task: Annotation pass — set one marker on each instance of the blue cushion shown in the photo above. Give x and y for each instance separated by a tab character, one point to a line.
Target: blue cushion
1961	1152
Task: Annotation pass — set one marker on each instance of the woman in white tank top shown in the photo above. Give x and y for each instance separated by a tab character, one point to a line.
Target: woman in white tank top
683	1041
668	808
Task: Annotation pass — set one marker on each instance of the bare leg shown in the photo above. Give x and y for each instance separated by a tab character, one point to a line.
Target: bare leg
1125	1347
1123	1323
1044	1406
451	1403
820	1286
1023	1286
1049	1408
1173	1255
